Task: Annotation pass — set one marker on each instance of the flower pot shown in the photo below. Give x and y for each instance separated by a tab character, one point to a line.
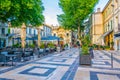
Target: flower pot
85	60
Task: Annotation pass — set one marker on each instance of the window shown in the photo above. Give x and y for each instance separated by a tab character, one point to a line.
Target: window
111	24
29	31
3	31
67	34
54	34
12	30
34	32
108	26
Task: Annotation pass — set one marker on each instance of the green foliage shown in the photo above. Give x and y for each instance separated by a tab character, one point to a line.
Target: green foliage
22	11
112	43
66	45
31	45
95	46
42	46
8	30
4	8
101	46
75	12
85	45
107	47
17	45
51	45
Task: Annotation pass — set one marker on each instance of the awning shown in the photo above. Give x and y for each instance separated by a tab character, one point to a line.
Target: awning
117	38
117	35
105	34
50	38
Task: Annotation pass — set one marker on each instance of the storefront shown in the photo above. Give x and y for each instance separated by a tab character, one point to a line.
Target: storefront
109	39
117	41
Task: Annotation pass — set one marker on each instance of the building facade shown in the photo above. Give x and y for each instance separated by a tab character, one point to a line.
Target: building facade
96	27
46	31
31	34
64	35
3	35
109	29
116	19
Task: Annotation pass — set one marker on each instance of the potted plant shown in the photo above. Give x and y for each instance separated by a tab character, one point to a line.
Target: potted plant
51	46
95	46
16	45
107	48
85	57
112	44
31	46
42	47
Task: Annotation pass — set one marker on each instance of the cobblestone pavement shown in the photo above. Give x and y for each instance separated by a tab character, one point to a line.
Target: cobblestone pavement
65	66
58	66
101	67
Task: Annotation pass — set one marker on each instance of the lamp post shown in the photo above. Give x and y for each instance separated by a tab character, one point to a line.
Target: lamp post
113	33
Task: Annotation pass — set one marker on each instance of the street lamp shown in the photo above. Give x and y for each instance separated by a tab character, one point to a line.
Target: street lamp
113	32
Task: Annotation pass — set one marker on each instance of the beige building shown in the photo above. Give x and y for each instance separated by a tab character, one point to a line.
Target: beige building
109	25
65	35
96	27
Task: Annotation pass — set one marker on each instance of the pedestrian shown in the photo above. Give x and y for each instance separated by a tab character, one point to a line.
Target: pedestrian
91	52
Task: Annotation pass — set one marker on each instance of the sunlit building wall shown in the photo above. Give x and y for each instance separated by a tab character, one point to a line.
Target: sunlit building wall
109	19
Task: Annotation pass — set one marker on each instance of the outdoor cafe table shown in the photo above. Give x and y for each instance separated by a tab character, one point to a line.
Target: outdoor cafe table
11	56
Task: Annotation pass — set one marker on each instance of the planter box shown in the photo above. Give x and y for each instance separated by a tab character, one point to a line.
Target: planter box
85	60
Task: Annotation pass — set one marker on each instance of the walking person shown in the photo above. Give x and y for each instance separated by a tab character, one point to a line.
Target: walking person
91	52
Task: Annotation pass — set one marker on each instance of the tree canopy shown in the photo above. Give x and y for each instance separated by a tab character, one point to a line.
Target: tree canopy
75	12
22	11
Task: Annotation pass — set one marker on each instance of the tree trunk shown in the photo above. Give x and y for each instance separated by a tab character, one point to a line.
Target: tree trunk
23	35
79	35
79	32
39	37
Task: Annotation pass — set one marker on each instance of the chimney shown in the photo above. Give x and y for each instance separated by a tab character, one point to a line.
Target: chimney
98	9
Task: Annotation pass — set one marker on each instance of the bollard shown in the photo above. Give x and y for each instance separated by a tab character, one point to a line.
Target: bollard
111	60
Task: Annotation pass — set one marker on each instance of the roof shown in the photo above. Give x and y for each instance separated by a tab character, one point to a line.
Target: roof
106	5
47	25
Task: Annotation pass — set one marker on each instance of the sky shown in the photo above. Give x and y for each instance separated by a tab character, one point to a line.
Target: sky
52	9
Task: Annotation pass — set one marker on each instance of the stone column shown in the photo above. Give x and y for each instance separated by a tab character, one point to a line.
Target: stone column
39	36
118	21
23	35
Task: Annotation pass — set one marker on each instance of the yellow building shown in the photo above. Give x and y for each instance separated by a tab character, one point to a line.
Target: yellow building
109	25
65	35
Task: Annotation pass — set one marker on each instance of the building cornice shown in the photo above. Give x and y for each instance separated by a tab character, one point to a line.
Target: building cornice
106	5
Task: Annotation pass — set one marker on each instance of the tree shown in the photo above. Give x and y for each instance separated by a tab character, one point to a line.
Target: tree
22	13
75	12
4	8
